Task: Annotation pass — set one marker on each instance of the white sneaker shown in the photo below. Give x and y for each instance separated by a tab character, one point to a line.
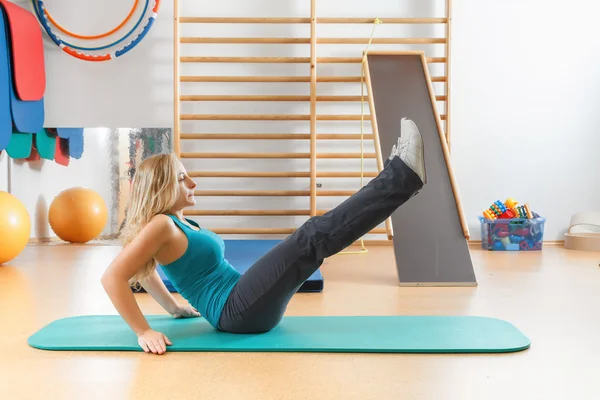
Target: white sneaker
410	148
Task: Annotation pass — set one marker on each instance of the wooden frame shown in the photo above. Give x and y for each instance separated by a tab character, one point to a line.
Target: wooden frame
438	120
313	79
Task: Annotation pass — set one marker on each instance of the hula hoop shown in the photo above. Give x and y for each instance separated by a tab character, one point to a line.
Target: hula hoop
92	37
39	5
71	49
46	25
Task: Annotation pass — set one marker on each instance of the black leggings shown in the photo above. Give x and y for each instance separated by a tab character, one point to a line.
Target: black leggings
259	300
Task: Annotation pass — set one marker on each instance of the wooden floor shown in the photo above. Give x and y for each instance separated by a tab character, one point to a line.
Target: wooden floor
552	296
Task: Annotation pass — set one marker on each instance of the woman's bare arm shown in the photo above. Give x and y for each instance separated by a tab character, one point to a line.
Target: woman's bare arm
115	279
156	288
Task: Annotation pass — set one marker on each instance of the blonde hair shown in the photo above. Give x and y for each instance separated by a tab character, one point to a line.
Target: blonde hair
153	191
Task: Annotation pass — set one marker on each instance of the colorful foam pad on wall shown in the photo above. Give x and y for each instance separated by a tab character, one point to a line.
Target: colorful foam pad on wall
27	52
34	156
45	142
27	116
61	154
75	137
5	115
22	83
22	87
20	145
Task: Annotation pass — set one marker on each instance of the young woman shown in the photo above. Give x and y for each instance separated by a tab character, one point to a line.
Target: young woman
156	232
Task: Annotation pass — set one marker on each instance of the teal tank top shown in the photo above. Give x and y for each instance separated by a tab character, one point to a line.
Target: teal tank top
202	275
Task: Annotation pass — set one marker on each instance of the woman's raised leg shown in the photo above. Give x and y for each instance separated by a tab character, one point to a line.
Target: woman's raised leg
260	298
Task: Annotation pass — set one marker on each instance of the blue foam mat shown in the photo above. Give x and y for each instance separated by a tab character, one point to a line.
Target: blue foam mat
75	138
243	253
5	84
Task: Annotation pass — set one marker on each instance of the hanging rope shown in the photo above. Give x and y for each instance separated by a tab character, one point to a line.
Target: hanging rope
376	22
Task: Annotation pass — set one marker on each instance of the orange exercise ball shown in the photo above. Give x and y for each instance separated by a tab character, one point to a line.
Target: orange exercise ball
78	215
15	227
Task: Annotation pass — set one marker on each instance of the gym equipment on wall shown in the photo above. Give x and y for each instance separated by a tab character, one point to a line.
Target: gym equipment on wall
430	232
194	126
86	53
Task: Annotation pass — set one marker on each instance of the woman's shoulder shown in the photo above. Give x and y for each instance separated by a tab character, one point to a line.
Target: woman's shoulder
160	224
162	219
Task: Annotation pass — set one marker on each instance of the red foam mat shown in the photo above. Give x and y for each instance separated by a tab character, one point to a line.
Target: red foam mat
27	47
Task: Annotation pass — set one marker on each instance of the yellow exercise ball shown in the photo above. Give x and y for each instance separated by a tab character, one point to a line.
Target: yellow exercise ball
78	215
15	227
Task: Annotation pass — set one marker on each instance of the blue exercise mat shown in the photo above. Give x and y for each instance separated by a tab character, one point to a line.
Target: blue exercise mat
27	116
335	334
75	138
5	79
243	253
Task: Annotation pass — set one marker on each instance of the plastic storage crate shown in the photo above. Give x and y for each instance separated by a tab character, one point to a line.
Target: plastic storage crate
515	234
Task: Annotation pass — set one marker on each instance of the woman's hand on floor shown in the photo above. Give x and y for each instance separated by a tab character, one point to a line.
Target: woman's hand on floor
185	311
154	342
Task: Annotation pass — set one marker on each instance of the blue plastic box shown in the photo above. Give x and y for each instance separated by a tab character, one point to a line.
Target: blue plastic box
516	234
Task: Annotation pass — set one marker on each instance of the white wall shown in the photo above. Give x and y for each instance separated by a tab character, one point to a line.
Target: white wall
523	97
4	172
525	91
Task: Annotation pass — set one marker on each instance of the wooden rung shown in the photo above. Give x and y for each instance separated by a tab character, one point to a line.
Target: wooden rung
344	136
244	117
275	193
384	20
287	60
343	117
270	117
239	79
266	213
335	193
245	136
268	231
274	174
243	98
242	20
263	20
267	60
339	60
208	97
247	174
275	136
280	79
252	231
381	40
346	155
435	60
358	60
344	174
199	155
204	155
268	79
339	79
284	40
251	193
244	40
343	98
